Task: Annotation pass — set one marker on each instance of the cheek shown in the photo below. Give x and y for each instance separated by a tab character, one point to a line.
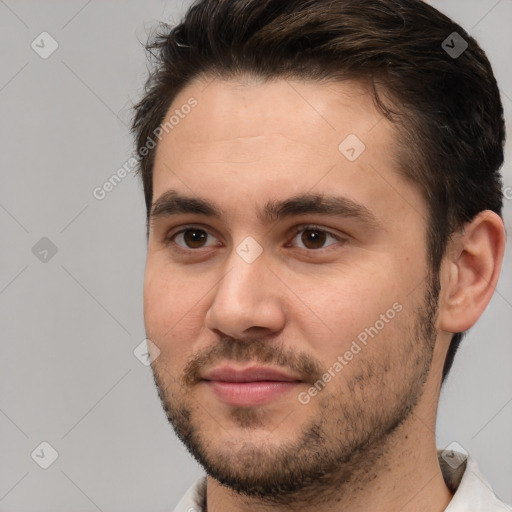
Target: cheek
165	302
366	309
157	301
349	299
173	313
167	292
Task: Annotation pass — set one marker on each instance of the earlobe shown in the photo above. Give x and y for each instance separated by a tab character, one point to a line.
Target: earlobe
473	265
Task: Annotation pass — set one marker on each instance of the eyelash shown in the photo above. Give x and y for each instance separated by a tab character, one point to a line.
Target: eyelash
169	239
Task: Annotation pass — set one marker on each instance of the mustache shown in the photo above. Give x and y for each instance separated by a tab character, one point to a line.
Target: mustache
254	351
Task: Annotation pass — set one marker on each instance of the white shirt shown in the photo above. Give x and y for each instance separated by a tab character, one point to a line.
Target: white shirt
472	492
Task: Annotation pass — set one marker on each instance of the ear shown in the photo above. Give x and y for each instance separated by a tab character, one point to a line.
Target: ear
471	270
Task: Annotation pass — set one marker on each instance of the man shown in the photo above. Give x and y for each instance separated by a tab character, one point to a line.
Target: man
324	224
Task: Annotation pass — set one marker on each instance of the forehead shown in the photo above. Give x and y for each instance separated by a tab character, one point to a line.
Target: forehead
275	139
276	114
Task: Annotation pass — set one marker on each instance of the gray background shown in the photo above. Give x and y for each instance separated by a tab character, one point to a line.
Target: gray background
70	324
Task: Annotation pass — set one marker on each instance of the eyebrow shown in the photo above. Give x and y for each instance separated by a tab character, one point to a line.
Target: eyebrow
173	203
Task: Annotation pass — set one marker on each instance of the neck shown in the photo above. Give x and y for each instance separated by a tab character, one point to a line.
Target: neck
404	475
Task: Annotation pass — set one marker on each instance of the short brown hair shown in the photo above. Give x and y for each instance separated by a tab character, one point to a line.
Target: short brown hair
446	108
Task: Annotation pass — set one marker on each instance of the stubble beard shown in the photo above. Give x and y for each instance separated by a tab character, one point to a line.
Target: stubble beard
336	447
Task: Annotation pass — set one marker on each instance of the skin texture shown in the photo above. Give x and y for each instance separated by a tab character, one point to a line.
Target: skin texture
367	439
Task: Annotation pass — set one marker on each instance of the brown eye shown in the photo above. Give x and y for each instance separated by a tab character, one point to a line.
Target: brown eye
191	238
314	238
194	238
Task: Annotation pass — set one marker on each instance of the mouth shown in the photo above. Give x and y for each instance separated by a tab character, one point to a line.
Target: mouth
252	386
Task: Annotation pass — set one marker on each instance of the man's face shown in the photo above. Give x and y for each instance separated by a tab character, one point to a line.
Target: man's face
341	304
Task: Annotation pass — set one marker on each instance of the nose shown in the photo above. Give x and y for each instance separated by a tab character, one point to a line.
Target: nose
247	300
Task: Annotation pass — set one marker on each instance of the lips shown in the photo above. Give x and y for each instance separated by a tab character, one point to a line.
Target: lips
254	386
250	374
